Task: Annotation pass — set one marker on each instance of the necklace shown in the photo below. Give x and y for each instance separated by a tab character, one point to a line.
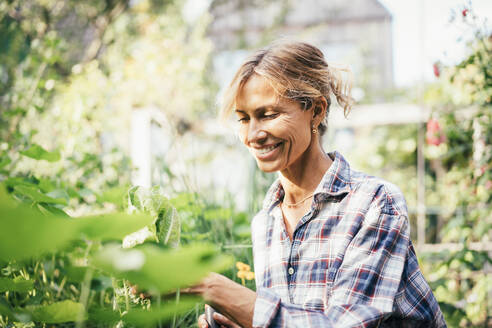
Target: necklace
299	202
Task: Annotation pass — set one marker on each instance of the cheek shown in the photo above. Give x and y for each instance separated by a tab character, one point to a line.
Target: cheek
297	131
241	132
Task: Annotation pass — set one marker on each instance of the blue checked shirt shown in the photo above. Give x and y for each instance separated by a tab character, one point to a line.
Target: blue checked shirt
350	262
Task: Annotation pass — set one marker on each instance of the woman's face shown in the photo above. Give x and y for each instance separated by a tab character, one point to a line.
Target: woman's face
275	129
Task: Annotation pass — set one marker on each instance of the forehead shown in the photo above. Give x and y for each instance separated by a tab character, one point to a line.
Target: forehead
256	92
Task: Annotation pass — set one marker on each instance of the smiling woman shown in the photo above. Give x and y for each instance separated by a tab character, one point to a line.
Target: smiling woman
331	245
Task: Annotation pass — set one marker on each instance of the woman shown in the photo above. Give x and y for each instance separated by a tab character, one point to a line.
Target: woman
331	245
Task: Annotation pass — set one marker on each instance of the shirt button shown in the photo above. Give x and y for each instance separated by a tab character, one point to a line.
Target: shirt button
291	271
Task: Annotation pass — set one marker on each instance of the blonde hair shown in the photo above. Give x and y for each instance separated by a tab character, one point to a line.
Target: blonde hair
296	70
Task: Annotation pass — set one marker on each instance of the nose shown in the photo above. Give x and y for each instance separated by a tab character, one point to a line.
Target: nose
256	133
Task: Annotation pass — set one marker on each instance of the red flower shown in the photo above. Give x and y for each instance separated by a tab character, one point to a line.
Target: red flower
434	135
464	12
437	70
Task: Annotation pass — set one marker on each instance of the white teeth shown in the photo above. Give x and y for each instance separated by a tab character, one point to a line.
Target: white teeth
267	149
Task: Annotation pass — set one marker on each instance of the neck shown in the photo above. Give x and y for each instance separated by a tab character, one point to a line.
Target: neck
301	178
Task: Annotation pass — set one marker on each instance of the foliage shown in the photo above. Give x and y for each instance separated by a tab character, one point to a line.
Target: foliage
463	162
79	247
43	251
81	68
71	74
458	176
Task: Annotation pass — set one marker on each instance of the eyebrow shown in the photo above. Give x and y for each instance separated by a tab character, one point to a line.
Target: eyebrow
259	109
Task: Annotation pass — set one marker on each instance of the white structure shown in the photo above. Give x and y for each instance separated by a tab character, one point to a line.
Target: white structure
140	148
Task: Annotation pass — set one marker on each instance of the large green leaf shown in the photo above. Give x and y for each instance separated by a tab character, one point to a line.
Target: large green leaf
13	285
59	312
39	153
112	226
25	232
154	268
143	317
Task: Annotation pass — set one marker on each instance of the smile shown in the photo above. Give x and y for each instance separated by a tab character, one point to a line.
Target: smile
267	149
266	153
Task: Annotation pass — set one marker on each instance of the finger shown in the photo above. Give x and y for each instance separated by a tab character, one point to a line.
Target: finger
223	320
191	290
202	322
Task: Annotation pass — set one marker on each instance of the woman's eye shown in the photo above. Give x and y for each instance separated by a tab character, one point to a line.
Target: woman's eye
242	119
270	116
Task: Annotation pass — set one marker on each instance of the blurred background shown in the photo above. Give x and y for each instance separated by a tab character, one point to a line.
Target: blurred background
97	96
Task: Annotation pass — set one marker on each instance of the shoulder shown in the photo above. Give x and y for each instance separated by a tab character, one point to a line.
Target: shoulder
380	194
362	192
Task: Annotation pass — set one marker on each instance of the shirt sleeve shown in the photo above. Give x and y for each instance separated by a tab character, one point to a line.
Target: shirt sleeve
365	286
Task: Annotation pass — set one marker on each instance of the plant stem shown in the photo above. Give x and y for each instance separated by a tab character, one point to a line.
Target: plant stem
85	290
84	296
177	302
127	302
159	306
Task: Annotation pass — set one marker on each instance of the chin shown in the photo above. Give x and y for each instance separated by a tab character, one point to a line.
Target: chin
267	167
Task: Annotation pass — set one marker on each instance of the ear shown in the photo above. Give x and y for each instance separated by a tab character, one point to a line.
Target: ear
319	110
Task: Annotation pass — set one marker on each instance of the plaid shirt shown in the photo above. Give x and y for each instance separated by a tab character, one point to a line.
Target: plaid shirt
350	262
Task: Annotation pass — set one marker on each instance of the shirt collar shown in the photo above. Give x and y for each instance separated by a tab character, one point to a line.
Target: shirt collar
335	182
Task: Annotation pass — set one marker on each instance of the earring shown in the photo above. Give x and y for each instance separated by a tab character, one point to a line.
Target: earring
315	130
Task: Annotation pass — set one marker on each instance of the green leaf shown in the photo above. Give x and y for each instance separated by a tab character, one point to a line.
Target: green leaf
59	312
143	317
39	153
5	309
12	285
154	268
4	161
52	209
25	232
168	226
154	201
36	196
112	226
16	181
46	185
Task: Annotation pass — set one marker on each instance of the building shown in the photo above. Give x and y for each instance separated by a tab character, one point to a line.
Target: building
355	33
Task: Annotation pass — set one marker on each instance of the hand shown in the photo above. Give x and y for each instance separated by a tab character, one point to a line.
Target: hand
229	298
221	320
